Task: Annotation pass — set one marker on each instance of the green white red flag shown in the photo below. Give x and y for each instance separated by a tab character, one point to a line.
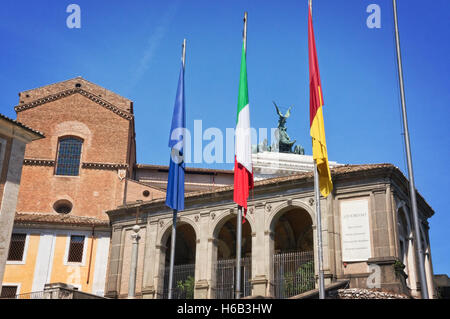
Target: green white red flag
243	169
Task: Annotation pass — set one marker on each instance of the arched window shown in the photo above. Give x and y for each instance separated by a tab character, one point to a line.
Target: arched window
69	155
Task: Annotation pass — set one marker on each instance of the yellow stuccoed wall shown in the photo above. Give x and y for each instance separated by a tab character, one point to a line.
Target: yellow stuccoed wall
24	274
70	273
73	273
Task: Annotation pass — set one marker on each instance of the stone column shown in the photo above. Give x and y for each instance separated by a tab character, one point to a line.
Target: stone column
134	261
114	269
327	229
150	257
260	255
202	261
269	250
160	264
9	198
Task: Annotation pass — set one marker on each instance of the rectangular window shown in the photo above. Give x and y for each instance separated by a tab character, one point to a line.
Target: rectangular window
8	292
69	155
17	247
76	248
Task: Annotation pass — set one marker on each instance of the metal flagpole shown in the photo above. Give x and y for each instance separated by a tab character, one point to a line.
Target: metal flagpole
238	251
318	221
412	188
174	223
239	210
172	252
319	232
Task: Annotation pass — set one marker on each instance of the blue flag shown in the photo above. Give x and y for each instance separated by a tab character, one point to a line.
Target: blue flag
175	182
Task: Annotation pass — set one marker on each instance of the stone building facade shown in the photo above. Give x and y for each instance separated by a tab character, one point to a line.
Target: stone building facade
13	138
82	192
281	219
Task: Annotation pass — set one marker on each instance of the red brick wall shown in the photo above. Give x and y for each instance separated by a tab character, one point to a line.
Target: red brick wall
105	133
135	192
106	139
41	92
91	193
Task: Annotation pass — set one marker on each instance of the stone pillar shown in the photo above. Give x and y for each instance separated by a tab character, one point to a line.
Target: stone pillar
211	269
327	273
260	255
202	260
150	257
160	264
269	250
329	246
428	265
9	199
114	269
134	262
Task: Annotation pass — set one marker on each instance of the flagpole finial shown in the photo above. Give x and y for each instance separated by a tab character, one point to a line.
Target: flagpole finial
183	54
245	31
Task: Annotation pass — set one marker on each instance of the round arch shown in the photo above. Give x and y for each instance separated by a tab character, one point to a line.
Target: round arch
225	217
276	213
166	230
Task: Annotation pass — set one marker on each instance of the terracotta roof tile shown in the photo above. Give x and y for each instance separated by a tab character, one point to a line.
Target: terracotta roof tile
40	134
51	218
335	172
188	169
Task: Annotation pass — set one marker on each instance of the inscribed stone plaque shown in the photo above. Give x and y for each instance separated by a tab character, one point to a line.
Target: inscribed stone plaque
355	230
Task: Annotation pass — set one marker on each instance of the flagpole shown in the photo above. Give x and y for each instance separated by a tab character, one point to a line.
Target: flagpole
172	252
412	188
175	212
239	209
319	232
318	220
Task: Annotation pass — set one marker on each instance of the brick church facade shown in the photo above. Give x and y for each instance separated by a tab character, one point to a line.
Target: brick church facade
85	166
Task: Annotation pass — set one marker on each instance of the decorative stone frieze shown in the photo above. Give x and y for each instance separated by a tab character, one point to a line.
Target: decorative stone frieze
38	162
103	166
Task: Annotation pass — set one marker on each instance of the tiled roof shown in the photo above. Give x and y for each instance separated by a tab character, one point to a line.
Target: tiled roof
22	125
188	169
62	219
337	171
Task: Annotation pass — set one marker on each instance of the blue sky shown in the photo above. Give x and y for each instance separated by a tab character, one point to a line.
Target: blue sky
133	48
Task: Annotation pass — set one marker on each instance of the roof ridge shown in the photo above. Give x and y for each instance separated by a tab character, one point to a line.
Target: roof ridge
64	93
71	79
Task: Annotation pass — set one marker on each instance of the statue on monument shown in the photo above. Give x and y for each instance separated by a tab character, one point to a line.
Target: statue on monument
282	143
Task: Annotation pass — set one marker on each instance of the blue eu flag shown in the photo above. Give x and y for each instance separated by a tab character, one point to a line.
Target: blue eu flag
175	183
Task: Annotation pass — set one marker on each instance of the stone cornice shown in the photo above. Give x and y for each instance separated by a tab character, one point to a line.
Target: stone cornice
62	94
103	166
38	162
86	165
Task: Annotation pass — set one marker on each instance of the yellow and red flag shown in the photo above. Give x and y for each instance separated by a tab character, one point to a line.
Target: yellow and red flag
317	129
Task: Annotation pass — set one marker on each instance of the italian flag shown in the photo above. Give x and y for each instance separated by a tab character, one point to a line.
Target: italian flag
243	170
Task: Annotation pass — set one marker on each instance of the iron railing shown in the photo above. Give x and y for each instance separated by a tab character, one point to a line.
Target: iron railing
293	273
183	282
54	293
37	295
225	278
30	295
